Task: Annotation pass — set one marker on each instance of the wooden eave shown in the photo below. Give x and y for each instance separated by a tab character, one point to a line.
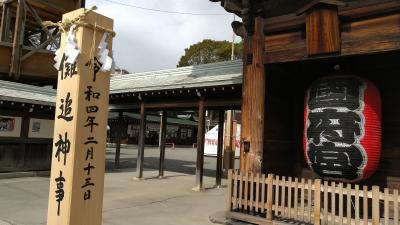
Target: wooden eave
215	97
366	27
349	11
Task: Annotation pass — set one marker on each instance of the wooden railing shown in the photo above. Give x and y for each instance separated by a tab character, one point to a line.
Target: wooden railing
262	198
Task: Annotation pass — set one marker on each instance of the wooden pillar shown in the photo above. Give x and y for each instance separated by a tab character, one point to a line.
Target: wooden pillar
24	136
118	139
80	131
5	22
221	118
19	30
142	141
253	102
163	130
200	146
228	148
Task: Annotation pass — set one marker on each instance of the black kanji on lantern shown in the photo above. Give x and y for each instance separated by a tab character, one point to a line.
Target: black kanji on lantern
59	191
63	146
336	92
66	108
335	125
333	161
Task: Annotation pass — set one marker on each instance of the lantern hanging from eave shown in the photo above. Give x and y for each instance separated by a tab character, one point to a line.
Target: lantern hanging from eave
342	128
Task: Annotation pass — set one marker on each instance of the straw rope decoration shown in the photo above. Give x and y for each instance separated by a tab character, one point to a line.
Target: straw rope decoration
79	21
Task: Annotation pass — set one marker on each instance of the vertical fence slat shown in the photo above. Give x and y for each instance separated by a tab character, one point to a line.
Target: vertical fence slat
386	206
348	207
276	195
296	198
269	196
357	204
229	203
325	219
262	193
289	213
333	203
283	197
365	205
396	206
235	189
246	191
241	191
257	192
251	191
340	203
303	183
375	205
309	203
317	202
254	190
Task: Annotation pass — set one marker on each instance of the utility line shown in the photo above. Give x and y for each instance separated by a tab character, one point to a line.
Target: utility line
165	11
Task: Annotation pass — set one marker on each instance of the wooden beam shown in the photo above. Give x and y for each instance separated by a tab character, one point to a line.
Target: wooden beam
118	139
253	102
19	30
38	48
40	22
163	131
5	22
358	37
220	147
142	141
200	146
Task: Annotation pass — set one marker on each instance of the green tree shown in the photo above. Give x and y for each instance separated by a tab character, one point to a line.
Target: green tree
209	51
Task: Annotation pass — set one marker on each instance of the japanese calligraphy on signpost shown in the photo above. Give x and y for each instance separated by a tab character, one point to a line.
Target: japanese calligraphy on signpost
77	175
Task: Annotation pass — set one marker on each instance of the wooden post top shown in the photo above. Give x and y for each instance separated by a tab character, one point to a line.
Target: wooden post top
315	3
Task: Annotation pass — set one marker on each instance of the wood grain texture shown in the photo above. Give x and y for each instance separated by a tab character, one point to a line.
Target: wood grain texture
358	37
81	205
322	30
253	101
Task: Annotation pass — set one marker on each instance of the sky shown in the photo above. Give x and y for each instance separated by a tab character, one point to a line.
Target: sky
148	40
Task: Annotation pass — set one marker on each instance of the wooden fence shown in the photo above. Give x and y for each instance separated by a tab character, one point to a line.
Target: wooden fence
260	199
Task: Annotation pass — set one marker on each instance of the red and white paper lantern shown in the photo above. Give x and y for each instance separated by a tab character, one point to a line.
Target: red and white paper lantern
342	128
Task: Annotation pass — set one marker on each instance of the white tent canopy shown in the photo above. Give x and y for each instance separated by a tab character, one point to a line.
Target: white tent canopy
211	142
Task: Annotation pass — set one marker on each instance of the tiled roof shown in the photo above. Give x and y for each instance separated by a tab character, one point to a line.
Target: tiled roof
17	92
201	76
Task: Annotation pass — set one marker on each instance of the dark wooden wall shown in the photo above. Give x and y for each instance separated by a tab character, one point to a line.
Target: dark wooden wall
285	88
23	153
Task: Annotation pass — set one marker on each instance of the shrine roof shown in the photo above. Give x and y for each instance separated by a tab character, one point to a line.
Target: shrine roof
201	76
17	92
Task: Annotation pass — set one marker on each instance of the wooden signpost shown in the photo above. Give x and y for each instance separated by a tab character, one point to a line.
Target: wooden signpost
78	163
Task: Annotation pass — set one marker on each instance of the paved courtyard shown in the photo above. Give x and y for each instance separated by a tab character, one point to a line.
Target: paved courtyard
23	201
